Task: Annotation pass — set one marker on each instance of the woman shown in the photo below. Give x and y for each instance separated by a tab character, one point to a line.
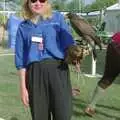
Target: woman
41	41
112	70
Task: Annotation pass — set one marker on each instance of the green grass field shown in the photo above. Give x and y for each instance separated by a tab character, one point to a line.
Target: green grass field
11	107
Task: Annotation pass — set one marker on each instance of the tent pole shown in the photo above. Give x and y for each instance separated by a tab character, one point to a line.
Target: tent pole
93	66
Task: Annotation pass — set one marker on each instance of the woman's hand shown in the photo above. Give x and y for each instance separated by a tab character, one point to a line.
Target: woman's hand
24	95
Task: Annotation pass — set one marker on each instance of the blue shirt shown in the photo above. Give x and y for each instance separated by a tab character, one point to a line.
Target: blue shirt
46	39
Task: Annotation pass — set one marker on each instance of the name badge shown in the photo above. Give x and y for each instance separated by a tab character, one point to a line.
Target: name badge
37	39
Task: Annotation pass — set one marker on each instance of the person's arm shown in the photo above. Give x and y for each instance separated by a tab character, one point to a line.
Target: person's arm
65	34
23	89
67	39
20	63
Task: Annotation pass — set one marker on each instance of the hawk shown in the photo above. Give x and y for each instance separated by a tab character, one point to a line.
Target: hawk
86	31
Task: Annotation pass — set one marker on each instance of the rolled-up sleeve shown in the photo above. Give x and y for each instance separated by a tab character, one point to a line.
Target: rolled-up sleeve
65	34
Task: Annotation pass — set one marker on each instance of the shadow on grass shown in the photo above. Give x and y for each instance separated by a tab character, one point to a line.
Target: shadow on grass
117	119
109	107
13	118
117	81
80	105
78	114
13	73
108	115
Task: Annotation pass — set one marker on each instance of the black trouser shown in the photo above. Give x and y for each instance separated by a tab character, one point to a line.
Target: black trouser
112	65
49	88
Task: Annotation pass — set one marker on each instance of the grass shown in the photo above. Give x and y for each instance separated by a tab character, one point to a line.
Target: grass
11	107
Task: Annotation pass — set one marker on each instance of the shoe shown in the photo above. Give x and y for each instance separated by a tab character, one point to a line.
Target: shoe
90	111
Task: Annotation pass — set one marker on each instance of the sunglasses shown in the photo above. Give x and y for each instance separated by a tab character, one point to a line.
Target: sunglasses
41	1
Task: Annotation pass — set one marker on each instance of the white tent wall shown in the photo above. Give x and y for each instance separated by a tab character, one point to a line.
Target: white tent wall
112	19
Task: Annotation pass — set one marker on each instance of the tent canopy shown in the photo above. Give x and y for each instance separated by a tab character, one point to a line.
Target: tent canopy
112	18
114	7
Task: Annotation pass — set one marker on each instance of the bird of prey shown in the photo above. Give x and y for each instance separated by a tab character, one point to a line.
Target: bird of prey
85	30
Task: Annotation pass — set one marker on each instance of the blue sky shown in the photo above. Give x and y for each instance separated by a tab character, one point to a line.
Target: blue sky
89	1
86	1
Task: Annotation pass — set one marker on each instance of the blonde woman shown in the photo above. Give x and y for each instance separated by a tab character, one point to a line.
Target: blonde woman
41	41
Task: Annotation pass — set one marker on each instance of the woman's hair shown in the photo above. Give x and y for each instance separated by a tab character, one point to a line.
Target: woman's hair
27	13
